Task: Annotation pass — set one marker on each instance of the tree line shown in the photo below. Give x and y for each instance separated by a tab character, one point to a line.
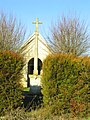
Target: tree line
67	35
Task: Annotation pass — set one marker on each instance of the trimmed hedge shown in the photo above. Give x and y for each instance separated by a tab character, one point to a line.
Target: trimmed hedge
66	84
11	65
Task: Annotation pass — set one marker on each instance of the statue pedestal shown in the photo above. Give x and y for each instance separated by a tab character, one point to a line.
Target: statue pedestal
35	84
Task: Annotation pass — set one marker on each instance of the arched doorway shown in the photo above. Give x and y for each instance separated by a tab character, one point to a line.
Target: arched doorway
31	66
39	66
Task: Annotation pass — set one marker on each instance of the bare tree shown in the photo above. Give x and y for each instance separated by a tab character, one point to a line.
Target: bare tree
12	32
69	35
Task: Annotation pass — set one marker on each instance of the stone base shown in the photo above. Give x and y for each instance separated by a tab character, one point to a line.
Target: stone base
35	80
35	84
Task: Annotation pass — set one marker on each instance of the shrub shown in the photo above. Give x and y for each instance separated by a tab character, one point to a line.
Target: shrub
66	84
11	65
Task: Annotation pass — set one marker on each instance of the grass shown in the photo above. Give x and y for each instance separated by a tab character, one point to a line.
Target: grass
26	89
38	114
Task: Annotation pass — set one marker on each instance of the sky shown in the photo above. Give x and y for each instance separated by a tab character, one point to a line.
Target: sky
47	11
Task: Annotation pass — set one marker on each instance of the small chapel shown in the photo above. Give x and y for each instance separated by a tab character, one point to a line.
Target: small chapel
34	51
